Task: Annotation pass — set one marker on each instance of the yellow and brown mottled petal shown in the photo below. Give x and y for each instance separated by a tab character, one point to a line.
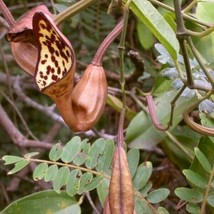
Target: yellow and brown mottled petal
55	56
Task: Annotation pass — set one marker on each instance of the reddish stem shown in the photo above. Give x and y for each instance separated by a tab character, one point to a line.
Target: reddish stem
97	60
153	115
7	14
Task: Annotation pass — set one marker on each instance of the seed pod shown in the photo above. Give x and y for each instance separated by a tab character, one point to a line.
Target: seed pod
121	194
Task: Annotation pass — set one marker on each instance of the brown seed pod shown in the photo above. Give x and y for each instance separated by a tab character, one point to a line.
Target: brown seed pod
121	194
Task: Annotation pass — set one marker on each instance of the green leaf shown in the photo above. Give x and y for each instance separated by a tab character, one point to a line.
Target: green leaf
142	175
86	179
210	200
93	184
61	178
81	157
102	190
158	195
40	203
149	15
73	209
146	189
141	133
10	159
31	154
189	195
162	210
144	35
195	178
193	208
73	183
40	171
18	166
203	160
95	151
55	152
133	156
71	149
117	104
104	161
142	207
51	173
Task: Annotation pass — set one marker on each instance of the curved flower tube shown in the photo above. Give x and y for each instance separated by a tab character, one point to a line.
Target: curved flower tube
53	69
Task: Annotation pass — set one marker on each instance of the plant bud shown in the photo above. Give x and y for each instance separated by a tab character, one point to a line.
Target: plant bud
121	194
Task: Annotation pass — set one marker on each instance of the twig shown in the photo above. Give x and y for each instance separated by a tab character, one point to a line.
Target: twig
16	135
91	203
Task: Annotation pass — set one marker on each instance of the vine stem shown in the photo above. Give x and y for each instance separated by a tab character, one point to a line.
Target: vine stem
121	48
203	205
97	60
7	14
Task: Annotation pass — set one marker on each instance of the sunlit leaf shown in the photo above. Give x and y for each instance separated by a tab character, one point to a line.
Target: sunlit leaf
158	195
18	166
51	173
133	156
40	203
61	178
142	175
10	159
189	195
55	152
40	171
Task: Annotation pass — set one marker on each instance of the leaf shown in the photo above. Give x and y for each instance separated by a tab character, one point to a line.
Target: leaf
194	178
146	189
149	15
210	200
162	210
40	203
189	195
10	159
117	104
61	178
73	182
71	149
104	161
85	179
55	152
203	160
102	190
142	175
31	154
141	133
51	173
40	171
93	184
144	35
133	156
193	208
75	209
19	166
95	151
142	207
81	157
158	195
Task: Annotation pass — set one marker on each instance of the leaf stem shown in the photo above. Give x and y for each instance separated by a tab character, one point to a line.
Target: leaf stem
204	202
70	166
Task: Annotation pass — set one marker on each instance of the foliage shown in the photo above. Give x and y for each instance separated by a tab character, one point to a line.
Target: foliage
169	148
79	167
